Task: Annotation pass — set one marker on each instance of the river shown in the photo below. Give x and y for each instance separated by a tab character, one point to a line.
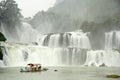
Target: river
62	73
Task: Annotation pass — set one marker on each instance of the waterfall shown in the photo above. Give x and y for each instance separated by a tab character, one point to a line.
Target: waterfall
23	33
1	63
108	57
59	49
17	55
103	58
112	40
76	39
54	40
62	49
27	33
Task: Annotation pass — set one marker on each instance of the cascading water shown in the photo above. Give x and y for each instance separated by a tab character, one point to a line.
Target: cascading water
61	49
108	57
53	50
1	63
112	40
23	33
103	58
76	39
27	33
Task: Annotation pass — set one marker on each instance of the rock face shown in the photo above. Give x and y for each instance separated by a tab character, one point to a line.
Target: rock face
2	38
1	55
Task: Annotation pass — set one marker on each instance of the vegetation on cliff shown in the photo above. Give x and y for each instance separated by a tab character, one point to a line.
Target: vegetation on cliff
9	13
9	16
112	23
47	22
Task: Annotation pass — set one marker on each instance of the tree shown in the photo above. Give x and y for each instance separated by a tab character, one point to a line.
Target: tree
9	13
9	16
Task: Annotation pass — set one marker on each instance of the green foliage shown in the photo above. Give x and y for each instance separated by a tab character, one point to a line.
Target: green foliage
54	22
9	13
98	30
112	23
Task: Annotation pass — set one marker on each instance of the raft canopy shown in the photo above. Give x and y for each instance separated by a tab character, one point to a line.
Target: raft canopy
31	64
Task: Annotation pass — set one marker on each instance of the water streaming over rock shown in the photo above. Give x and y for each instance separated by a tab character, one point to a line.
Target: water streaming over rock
76	39
1	63
52	50
112	40
23	33
62	49
103	58
108	57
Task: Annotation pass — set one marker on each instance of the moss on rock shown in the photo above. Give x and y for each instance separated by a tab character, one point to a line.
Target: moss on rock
113	76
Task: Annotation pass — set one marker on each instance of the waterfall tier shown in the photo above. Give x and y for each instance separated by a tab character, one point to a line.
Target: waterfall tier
18	55
76	39
70	48
53	50
112	40
103	58
23	33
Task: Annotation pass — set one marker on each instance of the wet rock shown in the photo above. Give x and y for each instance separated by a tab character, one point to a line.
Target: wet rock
55	70
113	76
44	69
102	65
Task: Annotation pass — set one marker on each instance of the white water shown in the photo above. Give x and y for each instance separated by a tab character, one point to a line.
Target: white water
27	33
108	57
60	49
103	58
23	33
18	55
76	39
1	63
112	40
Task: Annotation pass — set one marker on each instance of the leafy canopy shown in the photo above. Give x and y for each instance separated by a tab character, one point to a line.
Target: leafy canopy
9	13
